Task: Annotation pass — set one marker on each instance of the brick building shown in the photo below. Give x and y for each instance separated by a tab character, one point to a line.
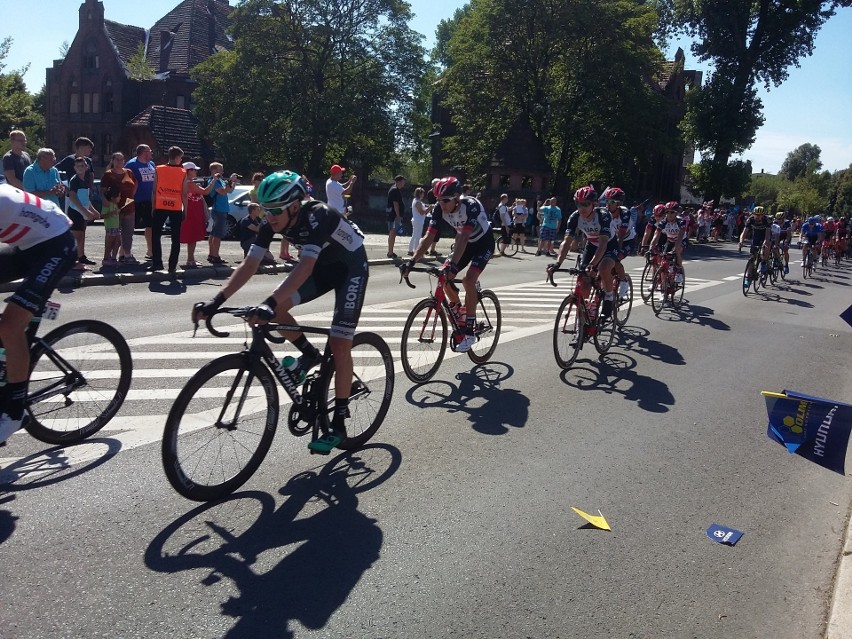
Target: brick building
90	94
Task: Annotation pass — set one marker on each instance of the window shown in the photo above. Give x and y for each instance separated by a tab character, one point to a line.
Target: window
96	103
526	182
91	60
504	182
108	102
180	102
87	103
74	106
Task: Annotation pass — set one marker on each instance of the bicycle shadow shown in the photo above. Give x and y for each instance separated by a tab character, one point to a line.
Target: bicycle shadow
703	316
615	374
7	519
329	544
47	467
775	296
491	409
636	339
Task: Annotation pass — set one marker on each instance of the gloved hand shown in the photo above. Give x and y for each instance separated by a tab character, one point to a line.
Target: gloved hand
405	267
203	310
260	314
450	269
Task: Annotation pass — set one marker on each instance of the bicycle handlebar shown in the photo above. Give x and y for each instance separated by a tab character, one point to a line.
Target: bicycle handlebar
572	271
432	270
242	312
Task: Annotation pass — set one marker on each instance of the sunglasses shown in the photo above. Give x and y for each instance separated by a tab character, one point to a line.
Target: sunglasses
584	204
274	212
446	199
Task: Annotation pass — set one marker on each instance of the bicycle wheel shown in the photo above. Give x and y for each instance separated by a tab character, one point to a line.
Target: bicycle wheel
220	427
372	390
79	377
646	281
623	306
604	330
658	291
677	293
568	332
424	341
759	279
748	273
489	321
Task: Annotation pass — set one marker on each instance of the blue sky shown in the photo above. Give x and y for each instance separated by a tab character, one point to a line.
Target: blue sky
812	106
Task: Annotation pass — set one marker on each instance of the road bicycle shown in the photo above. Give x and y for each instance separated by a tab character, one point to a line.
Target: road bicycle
652	263
223	421
80	374
665	287
425	338
580	319
808	263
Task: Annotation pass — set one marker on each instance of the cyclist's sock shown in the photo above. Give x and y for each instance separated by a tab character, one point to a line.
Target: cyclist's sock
341	412
16	394
469	324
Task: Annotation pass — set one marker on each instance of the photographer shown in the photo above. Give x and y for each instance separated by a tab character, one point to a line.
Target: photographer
220	209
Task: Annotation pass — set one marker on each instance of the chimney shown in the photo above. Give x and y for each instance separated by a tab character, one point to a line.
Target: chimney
167	38
91	14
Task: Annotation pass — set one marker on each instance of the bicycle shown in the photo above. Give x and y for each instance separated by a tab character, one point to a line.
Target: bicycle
808	263
424	337
222	422
579	318
80	374
752	276
665	286
652	263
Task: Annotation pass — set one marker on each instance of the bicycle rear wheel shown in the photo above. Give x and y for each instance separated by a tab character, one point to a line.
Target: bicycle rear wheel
658	291
489	321
623	306
79	377
220	427
568	332
424	341
604	330
372	390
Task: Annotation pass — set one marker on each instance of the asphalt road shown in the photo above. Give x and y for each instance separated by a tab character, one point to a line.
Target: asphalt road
456	520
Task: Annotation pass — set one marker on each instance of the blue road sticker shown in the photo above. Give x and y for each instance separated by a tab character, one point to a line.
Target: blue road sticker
723	534
846	316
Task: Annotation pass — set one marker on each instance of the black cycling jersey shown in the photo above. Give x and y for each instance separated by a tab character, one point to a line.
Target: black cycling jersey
469	214
600	224
758	227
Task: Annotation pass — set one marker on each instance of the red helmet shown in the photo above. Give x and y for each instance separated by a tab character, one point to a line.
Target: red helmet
614	193
585	194
447	187
672	206
659	210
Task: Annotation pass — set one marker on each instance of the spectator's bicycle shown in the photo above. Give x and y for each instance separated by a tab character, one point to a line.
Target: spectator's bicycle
665	287
222	423
424	337
579	319
80	373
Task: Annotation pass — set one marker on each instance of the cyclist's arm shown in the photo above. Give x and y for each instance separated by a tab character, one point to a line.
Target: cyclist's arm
568	244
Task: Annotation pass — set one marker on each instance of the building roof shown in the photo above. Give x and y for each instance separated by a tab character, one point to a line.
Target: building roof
171	126
521	150
195	35
125	38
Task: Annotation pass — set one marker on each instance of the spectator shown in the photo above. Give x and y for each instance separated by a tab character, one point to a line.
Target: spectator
335	191
419	211
551	215
249	227
193	229
80	209
505	223
113	200
519	223
83	148
431	202
220	209
170	199
143	170
42	178
394	210
117	176
16	160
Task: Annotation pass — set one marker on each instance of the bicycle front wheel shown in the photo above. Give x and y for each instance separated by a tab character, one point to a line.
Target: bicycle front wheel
646	281
748	274
489	320
623	306
658	291
79	377
372	390
568	332
424	341
220	427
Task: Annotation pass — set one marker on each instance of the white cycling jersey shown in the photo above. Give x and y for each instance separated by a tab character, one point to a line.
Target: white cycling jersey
27	220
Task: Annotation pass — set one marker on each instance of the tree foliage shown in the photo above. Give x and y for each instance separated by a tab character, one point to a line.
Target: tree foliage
312	82
138	67
583	78
801	161
748	41
18	109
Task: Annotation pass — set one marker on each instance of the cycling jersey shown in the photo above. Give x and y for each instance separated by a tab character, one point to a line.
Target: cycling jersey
830	227
469	214
596	229
671	230
758	228
27	220
784	230
811	232
623	225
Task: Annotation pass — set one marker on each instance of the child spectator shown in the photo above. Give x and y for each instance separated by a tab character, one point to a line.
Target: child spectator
80	209
249	226
113	200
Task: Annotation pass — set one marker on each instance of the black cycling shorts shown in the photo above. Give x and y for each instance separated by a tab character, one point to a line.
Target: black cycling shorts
478	253
41	267
348	279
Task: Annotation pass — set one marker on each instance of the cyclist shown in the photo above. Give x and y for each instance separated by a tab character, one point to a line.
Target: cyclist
810	234
333	257
659	215
38	247
596	225
474	245
842	237
761	237
784	234
672	231
830	227
622	235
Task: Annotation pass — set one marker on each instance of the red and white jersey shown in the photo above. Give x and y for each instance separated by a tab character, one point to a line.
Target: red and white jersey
27	220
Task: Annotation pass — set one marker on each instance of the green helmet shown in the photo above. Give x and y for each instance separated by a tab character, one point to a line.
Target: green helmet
281	189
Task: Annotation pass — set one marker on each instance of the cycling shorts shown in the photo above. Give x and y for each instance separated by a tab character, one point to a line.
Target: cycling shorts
41	267
619	253
347	277
591	249
478	253
810	239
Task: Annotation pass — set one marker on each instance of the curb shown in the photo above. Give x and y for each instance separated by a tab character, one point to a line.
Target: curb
840	614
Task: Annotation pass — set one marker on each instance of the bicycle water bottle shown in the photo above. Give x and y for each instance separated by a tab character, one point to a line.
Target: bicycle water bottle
291	365
2	367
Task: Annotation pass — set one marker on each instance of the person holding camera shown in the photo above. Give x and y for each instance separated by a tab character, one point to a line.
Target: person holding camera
219	210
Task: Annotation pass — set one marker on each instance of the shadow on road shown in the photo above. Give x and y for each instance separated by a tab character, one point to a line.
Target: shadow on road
637	340
315	547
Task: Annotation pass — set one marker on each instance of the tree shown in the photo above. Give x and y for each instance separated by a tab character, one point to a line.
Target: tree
748	41
17	106
313	82
138	67
801	161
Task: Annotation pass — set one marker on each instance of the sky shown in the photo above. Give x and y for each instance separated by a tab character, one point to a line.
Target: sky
812	106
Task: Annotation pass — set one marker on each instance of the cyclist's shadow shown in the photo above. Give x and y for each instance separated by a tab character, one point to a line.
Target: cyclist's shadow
491	408
332	546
